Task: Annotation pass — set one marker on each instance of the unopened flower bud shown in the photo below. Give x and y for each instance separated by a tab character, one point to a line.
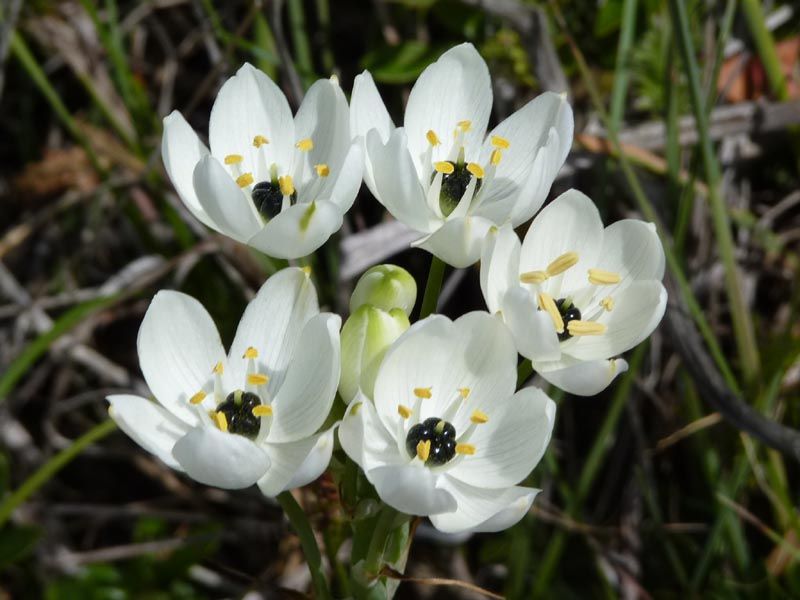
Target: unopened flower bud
385	287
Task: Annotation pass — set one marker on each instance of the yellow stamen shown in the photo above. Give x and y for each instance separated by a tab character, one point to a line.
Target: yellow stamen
465	125
218	369
286	184
221	420
467	449
465	392
586	328
305	145
600	277
422	392
534	277
433	139
356	408
198	397
562	263
424	450
479	417
322	170
306	270
233	159
259	141
244	179
547	304
403	411
250	353
500	142
475	169
262	410
257	379
496	157
444	167
607	303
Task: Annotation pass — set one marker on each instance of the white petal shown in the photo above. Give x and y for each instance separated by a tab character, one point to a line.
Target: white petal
178	347
364	438
534	332
499	265
537	187
585	378
458	242
222	460
294	464
455	88
632	249
272	323
368	112
181	150
247	105
316	462
411	489
299	230
509	446
149	425
306	396
482	509
344	183
229	207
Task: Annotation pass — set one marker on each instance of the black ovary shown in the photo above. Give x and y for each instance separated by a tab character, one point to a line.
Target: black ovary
268	198
571	313
443	442
241	419
453	187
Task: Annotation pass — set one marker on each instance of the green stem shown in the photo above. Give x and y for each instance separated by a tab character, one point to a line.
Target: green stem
765	44
524	371
432	288
44	473
308	541
380	536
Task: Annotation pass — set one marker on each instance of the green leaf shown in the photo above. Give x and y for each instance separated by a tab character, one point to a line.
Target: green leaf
609	18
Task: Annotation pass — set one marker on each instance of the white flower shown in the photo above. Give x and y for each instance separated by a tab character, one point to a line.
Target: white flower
574	294
251	416
445	435
279	184
441	174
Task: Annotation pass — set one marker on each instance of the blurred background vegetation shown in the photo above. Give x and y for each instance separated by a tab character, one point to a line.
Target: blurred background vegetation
680	480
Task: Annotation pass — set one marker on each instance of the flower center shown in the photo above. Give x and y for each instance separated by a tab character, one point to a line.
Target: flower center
437	437
569	312
455	180
238	410
268	198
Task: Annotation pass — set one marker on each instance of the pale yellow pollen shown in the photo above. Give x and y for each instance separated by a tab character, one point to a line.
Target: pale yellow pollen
198	397
356	408
233	159
585	328
600	277
433	139
500	142
250	353
306	270
262	410
244	179
465	125
444	167
403	411
218	369
259	141
286	184
422	392
322	170
305	145
562	263
221	420
465	392
546	303
479	417
534	277
467	449
496	157
424	450
476	170
257	379
607	303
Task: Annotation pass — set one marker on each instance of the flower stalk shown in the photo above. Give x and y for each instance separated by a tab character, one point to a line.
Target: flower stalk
433	287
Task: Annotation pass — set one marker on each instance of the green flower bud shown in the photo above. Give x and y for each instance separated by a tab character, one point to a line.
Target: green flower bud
366	336
385	287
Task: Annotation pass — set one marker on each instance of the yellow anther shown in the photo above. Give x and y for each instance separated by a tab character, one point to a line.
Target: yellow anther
562	263
198	397
465	125
403	411
585	328
424	450
422	392
262	410
467	449
221	421
475	169
500	142
433	139
322	170
496	157
257	379
356	408
546	303
305	145
286	184
479	417
534	277
607	303
444	167
218	369
233	159
306	270
250	353
465	392
600	277
244	179
259	141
